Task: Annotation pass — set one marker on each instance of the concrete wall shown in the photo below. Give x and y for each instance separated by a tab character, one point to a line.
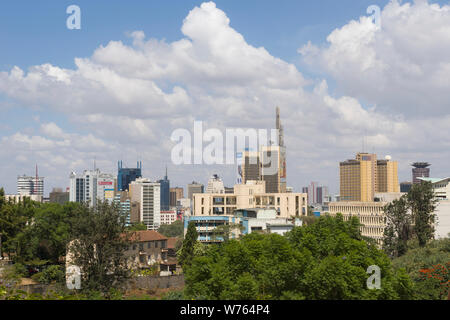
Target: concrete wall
144	282
152	282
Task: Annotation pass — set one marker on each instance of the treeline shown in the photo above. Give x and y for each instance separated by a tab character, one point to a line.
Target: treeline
35	236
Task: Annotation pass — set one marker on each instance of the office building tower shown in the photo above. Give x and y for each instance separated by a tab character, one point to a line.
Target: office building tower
361	178
387	176
215	185
273	162
28	185
193	188
322	195
127	175
123	201
165	193
317	194
145	199
59	196
405	186
91	186
250	166
420	170
357	178
175	194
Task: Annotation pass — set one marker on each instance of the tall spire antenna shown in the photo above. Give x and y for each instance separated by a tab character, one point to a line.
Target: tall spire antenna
166	173
279	128
36	183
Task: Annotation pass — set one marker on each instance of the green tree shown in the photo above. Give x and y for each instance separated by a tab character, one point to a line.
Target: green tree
186	253
99	243
225	231
325	260
175	229
398	229
421	200
419	263
140	226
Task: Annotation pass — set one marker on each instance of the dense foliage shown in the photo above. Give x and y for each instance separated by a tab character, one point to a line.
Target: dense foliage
410	217
175	229
428	267
325	260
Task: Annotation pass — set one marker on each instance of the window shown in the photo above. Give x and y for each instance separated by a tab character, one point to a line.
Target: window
149	245
156	244
141	246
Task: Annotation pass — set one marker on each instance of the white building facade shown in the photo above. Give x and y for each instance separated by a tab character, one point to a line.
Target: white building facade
147	195
91	186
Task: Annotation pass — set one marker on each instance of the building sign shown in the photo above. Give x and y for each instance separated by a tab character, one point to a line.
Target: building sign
105	183
109	194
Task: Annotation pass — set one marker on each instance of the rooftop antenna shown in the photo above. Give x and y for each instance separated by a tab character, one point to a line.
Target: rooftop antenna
36	183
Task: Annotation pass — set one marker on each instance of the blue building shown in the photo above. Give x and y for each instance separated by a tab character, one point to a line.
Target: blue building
165	193
127	175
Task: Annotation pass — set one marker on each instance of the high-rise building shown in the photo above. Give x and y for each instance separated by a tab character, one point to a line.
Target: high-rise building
317	194
145	198
420	170
123	201
165	193
91	186
59	196
273	162
215	185
127	175
175	194
28	185
361	178
193	188
250	166
405	186
357	178
387	176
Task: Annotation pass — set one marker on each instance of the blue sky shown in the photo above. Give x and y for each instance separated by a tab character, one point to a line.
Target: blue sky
33	33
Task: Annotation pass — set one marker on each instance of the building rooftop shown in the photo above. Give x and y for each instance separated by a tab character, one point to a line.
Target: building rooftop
432	180
147	235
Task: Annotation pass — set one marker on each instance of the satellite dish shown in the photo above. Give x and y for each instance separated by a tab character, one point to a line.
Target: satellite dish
388	157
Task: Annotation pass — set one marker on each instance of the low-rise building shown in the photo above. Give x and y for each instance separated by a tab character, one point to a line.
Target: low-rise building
441	188
371	216
168	217
148	248
249	220
250	195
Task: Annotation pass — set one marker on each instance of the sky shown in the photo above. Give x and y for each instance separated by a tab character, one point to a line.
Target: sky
138	70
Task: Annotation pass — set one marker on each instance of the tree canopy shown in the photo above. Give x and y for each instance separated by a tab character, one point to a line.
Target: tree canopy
325	260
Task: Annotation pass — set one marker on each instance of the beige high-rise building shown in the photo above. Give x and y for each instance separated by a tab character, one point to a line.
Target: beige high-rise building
357	178
387	176
362	177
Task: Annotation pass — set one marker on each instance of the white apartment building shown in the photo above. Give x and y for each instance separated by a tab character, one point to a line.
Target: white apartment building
442	211
91	186
168	217
28	185
147	195
215	185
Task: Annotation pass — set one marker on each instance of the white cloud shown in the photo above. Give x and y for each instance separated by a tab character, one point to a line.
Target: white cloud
402	67
125	100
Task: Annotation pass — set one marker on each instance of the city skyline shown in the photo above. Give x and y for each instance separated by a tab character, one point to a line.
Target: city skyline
327	115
